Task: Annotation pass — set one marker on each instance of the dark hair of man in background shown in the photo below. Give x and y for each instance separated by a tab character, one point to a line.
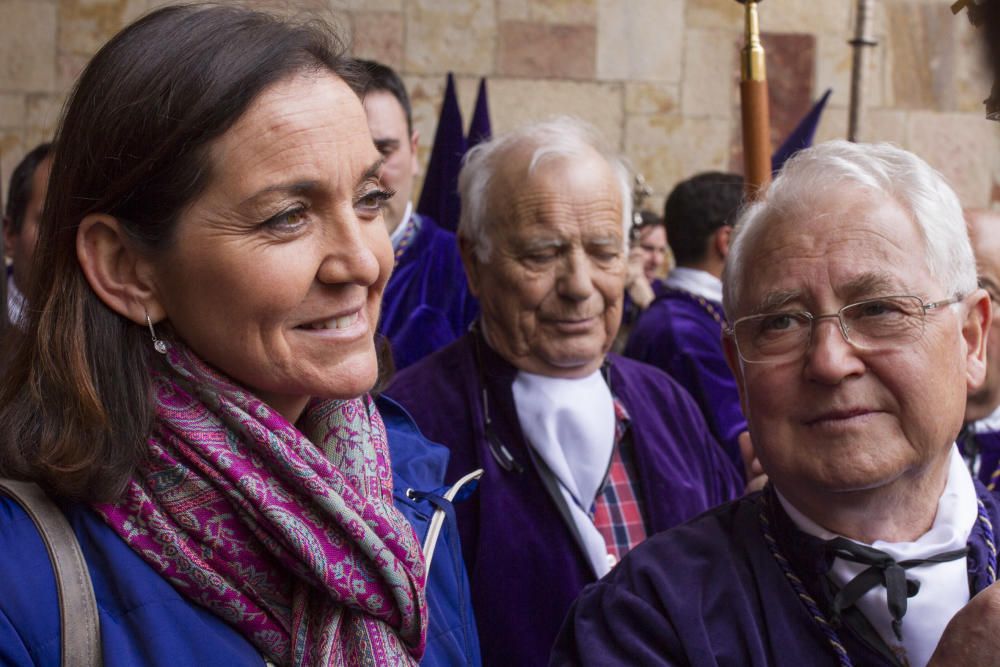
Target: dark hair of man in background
82	428
379	77
696	208
19	193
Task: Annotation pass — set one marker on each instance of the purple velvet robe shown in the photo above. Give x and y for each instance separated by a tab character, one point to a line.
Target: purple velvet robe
987	444
710	593
427	303
524	563
680	335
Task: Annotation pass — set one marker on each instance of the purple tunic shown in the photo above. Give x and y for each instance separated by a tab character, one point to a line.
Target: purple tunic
524	562
427	303
682	334
985	445
710	593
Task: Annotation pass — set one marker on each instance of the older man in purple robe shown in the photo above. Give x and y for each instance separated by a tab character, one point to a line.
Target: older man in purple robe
585	453
856	330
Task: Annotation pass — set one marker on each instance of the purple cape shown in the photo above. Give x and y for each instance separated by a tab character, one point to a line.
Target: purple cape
711	593
427	303
523	559
679	334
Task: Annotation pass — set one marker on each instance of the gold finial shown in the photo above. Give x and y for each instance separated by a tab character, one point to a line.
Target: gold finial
752	59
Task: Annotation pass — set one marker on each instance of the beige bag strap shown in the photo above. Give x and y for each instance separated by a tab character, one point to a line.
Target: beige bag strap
81	630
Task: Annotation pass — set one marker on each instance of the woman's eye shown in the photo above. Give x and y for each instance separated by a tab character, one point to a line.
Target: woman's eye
374	200
287	220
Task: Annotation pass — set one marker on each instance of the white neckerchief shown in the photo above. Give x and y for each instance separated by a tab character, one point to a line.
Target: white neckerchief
15	303
698	282
988	424
570	423
397	233
944	587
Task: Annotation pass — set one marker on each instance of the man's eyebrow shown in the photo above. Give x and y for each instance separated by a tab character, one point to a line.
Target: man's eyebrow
540	244
386	143
604	240
871	283
775	300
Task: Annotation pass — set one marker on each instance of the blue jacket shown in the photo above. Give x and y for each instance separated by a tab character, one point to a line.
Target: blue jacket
145	621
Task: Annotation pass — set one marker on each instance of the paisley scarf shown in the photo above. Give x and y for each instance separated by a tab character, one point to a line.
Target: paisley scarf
290	536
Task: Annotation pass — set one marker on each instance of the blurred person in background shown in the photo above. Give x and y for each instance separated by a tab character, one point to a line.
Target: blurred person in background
25	200
427	303
681	331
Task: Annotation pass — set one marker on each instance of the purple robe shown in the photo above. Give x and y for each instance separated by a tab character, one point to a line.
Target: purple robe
680	334
710	593
427	303
524	561
986	445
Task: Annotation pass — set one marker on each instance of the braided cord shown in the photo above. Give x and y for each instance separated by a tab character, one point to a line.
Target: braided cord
817	616
992	486
984	520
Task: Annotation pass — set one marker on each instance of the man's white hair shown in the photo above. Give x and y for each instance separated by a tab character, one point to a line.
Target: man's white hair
559	138
878	168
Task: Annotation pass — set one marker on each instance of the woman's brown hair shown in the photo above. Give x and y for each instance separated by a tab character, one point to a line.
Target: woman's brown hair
75	405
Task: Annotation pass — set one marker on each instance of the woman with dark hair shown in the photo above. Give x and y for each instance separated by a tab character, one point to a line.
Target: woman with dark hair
192	386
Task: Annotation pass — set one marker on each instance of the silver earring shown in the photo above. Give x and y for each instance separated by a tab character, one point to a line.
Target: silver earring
158	344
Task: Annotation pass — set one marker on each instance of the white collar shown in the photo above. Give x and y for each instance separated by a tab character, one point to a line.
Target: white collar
944	587
570	423
397	233
698	282
988	424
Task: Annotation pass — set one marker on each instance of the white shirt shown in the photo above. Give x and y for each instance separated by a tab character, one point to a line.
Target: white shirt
397	233
944	587
570	424
697	282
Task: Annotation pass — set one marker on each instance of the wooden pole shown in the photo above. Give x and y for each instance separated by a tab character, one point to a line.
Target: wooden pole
754	107
862	44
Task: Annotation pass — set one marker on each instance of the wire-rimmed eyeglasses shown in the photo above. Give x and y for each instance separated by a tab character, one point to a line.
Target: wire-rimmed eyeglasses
870	325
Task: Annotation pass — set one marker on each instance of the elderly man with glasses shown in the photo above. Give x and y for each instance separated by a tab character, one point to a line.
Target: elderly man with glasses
857	329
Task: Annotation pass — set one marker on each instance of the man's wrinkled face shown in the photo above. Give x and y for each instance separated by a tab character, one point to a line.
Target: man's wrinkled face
839	418
551	290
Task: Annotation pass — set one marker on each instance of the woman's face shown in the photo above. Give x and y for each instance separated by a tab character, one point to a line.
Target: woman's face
276	271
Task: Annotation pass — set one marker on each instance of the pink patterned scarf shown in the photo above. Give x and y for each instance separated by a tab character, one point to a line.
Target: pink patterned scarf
289	536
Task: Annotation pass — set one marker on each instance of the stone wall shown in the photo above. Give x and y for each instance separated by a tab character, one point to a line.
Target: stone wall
658	77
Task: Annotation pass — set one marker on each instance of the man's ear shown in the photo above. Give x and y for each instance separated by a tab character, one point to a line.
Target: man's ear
120	276
414	144
470	260
975	331
720	240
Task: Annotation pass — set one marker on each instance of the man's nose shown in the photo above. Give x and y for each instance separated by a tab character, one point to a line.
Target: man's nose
830	357
575	279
